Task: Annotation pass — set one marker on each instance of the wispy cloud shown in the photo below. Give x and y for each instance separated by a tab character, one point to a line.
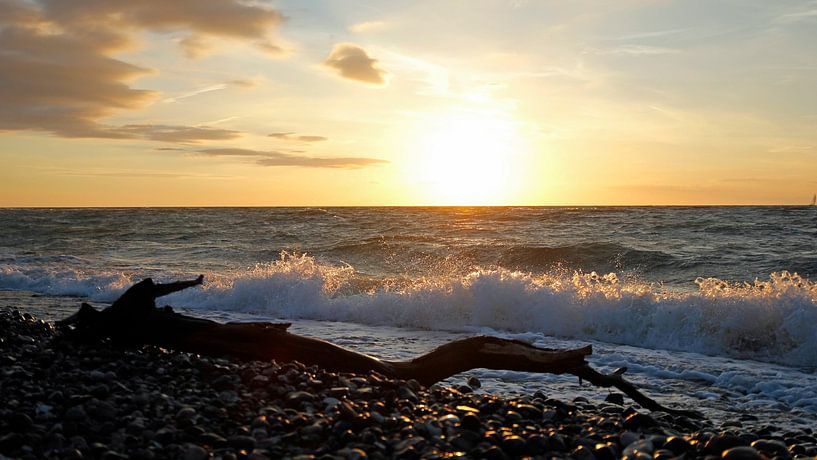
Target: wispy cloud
652	34
642	50
276	158
131	173
239	83
809	14
195	92
368	26
297	137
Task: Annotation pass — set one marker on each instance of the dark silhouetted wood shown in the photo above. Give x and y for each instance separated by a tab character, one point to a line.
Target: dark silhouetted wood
133	319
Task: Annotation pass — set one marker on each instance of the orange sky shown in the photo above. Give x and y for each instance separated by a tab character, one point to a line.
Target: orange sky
222	102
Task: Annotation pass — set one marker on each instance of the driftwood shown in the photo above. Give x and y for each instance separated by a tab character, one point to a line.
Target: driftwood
133	319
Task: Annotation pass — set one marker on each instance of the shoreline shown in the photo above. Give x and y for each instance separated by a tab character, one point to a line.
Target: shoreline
63	400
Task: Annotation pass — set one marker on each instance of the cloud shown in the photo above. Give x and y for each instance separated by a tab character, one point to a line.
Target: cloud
222	18
196	92
352	62
653	34
178	134
300	137
58	72
275	158
270	48
62	84
809	14
367	26
129	173
245	83
195	46
642	50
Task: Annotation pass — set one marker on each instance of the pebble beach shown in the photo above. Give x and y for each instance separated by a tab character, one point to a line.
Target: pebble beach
61	399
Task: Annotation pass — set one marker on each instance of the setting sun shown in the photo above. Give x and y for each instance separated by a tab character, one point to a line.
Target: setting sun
467	159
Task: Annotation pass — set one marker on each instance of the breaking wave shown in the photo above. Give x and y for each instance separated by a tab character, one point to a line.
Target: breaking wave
769	319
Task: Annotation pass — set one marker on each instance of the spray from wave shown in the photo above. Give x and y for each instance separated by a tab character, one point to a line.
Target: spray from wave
770	320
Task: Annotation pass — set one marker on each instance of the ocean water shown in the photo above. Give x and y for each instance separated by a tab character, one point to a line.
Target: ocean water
709	307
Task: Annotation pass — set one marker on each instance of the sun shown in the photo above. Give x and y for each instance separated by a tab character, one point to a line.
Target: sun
467	159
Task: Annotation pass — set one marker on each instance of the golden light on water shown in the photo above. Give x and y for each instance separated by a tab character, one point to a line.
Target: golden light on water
467	159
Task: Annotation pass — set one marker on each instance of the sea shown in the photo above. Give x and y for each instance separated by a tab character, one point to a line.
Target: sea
711	308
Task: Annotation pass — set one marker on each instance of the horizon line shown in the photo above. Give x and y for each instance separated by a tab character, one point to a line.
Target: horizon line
806	205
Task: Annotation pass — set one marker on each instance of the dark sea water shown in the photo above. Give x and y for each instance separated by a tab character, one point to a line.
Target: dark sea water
701	296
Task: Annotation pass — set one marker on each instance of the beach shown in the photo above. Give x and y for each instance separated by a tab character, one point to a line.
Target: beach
68	400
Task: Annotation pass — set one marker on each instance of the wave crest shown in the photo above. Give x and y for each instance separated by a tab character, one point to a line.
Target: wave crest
770	319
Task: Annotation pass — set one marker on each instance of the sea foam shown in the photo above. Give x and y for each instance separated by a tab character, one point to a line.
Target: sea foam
768	320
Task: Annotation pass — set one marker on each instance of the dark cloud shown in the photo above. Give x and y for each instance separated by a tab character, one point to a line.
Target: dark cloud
298	137
274	158
178	134
352	62
58	73
62	84
223	18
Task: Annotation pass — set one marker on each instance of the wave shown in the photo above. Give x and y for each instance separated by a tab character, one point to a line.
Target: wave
768	320
599	255
589	256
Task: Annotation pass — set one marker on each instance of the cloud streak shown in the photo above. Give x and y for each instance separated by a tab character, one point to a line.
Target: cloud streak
177	134
297	137
275	158
352	62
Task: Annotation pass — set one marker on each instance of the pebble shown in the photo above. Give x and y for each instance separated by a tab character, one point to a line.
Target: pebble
722	442
741	453
639	421
145	403
194	452
772	447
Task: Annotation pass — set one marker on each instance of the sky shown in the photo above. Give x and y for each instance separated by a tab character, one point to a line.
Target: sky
346	103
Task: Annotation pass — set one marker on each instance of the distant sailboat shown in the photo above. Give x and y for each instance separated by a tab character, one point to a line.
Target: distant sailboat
814	200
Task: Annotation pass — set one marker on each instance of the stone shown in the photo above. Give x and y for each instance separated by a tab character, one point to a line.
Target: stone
194	452
407	394
615	398
582	453
513	445
299	397
20	422
771	446
470	422
677	445
242	442
352	453
76	413
721	442
639	421
185	414
741	453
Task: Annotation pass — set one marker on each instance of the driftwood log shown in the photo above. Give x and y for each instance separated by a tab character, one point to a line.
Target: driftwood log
134	320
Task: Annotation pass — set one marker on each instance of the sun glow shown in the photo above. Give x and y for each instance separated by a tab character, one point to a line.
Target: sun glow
468	159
